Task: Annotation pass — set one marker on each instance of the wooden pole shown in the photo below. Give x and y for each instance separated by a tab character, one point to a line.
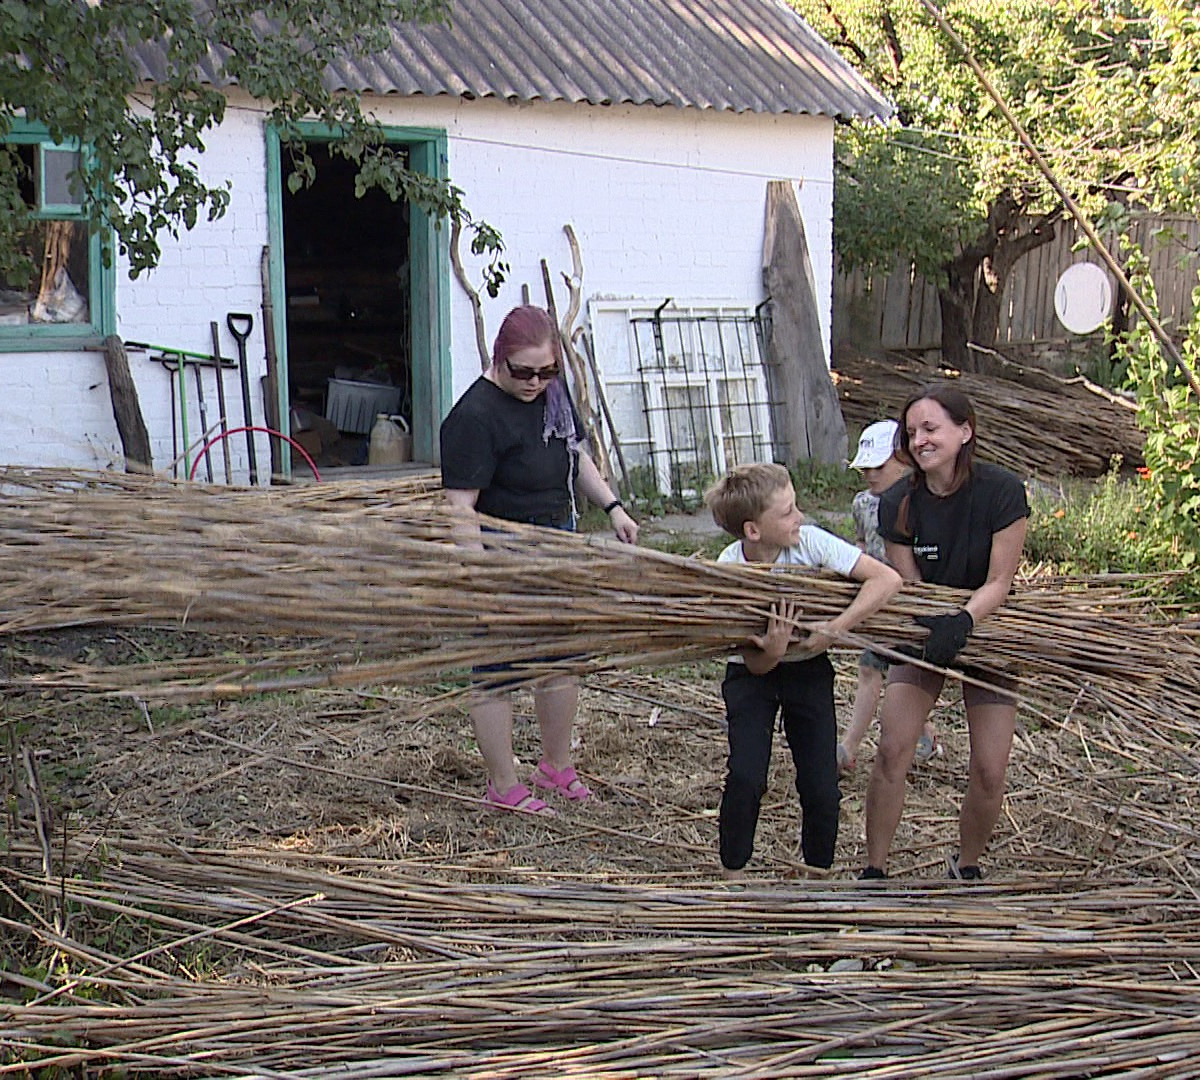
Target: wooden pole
586	349
271	379
127	410
215	331
806	417
579	369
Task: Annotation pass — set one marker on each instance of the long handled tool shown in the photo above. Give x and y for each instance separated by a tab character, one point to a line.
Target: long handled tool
174	426
181	375
170	350
240	326
176	362
224	416
204	419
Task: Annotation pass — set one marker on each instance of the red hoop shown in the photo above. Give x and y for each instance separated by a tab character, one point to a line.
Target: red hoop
253	427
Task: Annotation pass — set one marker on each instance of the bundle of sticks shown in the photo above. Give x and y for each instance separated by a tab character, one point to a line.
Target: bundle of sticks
1041	425
370	591
19	483
376	973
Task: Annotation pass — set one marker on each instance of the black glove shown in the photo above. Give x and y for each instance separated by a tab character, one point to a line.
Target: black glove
947	636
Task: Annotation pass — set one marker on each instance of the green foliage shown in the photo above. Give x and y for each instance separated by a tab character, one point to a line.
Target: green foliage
1169	414
165	716
1086	528
689	545
1105	368
876	218
825	487
1091	83
67	65
1106	91
688	493
818	487
1111	527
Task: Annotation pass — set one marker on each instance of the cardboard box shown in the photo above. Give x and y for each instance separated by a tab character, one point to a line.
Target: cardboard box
311	441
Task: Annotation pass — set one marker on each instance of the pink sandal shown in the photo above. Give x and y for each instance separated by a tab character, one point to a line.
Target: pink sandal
519	799
564	782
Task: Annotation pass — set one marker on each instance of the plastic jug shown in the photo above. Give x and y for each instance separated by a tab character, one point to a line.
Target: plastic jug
391	441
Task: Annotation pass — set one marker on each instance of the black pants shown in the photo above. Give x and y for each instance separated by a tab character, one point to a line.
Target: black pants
803	689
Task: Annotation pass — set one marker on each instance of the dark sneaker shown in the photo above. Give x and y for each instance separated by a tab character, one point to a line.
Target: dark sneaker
872	873
962	873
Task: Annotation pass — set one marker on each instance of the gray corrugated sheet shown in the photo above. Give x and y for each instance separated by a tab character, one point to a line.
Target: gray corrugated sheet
728	55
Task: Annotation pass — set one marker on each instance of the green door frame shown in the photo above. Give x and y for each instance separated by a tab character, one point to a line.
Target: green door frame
429	284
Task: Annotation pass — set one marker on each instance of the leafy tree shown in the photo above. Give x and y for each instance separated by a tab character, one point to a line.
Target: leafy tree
68	65
1107	89
1169	413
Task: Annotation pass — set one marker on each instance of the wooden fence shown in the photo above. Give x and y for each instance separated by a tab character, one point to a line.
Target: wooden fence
901	311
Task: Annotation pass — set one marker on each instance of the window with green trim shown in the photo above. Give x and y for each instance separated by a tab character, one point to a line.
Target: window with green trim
56	290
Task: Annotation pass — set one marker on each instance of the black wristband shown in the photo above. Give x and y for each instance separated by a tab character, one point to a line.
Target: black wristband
613	505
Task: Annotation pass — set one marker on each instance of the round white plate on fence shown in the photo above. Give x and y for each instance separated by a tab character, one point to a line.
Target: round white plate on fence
1083	297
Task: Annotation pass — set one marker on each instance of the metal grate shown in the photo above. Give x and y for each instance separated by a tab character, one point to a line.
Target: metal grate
705	396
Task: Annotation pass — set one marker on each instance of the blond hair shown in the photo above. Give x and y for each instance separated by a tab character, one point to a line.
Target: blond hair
743	494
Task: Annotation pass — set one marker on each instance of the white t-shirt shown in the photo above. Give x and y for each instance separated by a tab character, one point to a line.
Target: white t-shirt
817	549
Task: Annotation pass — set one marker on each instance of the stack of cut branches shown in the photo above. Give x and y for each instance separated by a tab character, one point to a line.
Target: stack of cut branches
1050	428
371	597
19	483
324	973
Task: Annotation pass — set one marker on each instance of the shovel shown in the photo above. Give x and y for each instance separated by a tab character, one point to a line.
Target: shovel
240	326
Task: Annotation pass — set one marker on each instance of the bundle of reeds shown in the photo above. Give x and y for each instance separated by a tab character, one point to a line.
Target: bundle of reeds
1043	426
371	594
268	964
18	483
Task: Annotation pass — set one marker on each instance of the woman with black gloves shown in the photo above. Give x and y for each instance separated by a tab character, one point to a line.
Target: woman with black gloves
958	523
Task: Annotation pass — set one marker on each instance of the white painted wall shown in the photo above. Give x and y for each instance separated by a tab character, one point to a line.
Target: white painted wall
665	202
205	274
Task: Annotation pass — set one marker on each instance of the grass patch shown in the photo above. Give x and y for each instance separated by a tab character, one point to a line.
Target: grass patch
825	488
1087	527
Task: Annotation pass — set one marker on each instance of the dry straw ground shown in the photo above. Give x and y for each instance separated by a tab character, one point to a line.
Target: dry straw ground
308	884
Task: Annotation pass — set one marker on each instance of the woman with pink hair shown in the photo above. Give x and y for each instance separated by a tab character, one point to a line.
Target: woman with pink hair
513	448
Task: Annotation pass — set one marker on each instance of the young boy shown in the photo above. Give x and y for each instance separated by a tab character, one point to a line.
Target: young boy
757	504
881	469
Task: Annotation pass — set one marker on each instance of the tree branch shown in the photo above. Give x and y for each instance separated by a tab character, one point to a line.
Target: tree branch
460	274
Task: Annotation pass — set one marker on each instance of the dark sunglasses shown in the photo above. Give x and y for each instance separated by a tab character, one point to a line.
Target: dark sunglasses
545	374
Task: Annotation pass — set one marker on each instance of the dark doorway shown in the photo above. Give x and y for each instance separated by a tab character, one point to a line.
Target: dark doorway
349	326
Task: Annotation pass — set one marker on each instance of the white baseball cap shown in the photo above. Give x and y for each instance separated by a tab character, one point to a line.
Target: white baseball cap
875	445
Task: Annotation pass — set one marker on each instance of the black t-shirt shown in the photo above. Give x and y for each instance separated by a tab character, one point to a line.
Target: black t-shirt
951	538
492	442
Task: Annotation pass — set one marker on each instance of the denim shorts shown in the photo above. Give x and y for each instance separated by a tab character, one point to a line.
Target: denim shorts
931	682
873	660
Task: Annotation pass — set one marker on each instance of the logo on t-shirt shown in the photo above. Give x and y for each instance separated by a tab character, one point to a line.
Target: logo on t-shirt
928	552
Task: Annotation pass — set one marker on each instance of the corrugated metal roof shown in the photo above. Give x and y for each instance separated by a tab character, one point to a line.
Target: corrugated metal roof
728	55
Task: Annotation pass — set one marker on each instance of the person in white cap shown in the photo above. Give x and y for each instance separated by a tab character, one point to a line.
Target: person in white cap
881	469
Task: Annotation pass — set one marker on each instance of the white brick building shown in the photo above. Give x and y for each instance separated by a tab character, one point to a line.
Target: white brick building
665	189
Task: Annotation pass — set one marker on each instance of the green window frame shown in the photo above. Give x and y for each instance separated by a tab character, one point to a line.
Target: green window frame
53	201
